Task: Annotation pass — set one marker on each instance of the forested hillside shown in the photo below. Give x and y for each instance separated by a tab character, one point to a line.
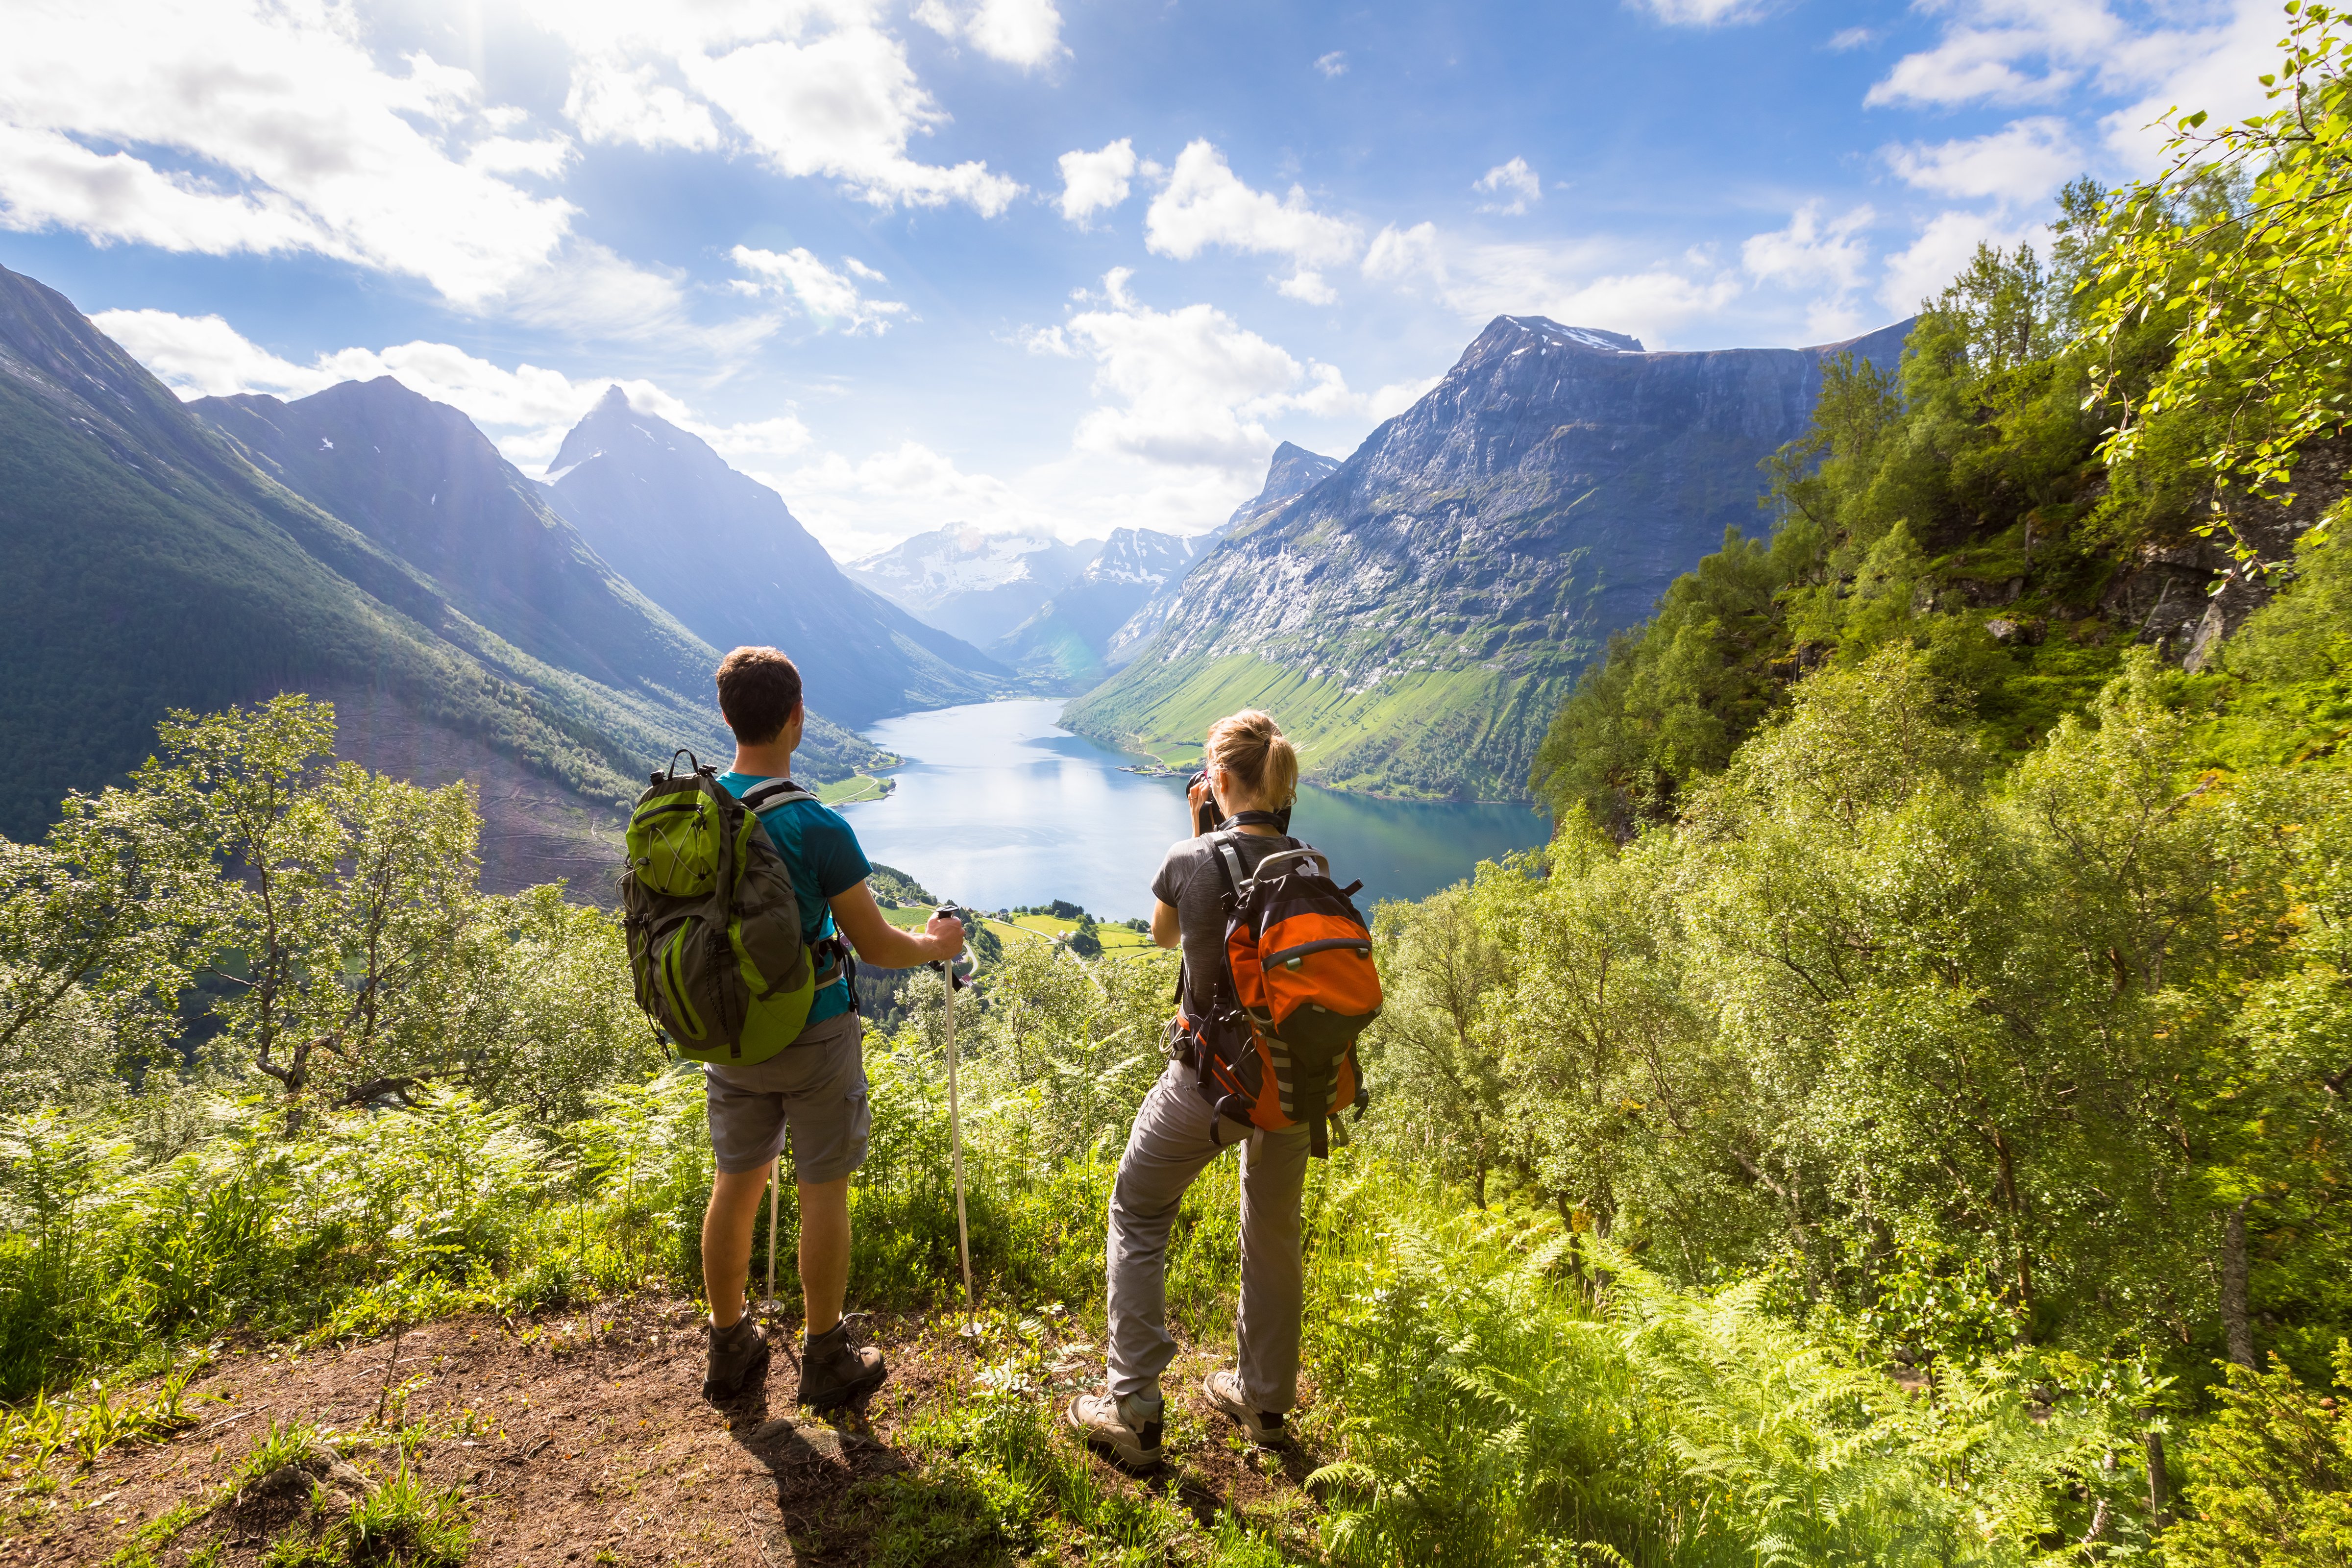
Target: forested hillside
1965	505
150	561
1900	1119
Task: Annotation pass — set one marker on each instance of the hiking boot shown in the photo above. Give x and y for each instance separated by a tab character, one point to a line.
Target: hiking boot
738	1358
1265	1427
1128	1426
836	1372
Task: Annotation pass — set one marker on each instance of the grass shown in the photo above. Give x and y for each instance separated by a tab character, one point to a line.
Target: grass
1466	734
856	788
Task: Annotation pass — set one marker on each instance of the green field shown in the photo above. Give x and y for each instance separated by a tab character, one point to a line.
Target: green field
853	789
1463	734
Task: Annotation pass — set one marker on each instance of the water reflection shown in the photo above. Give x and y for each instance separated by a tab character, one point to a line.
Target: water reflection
999	805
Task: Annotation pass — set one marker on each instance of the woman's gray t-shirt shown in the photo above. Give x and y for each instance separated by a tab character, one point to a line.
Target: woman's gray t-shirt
1192	880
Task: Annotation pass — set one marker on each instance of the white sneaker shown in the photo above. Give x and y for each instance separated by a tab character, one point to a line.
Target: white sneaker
1265	1427
1127	1427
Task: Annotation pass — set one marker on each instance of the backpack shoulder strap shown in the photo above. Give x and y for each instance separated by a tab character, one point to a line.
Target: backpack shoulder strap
770	792
1235	876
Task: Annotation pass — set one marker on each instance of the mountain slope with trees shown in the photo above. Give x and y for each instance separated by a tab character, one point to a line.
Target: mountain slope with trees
147	564
1414	617
724	554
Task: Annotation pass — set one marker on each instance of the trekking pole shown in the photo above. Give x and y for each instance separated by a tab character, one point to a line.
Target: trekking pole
775	1196
955	1119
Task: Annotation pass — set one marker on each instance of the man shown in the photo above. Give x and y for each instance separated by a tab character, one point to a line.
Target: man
816	1088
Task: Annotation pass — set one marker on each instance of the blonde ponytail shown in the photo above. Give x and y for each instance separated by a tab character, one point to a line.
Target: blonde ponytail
1252	745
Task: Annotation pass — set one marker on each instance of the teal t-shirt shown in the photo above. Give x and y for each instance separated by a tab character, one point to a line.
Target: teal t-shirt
821	853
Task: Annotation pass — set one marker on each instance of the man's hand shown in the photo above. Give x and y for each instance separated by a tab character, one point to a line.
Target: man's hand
945	933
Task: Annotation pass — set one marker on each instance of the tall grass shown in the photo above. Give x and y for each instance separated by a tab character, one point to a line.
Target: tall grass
1488	1387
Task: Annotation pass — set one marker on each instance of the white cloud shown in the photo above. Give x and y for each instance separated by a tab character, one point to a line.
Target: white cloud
1189	387
1096	182
1400	255
1586	283
1943	247
1810	251
1204	203
2067	51
1514	181
2020	163
1852	38
857	508
525	410
245	126
620	103
1394	399
831	299
1702	13
1309	287
1025	33
819	88
1333	64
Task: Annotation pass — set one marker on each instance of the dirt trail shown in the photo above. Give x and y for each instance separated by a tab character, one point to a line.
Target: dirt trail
573	1448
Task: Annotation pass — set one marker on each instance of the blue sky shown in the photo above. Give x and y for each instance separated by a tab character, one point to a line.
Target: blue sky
1057	265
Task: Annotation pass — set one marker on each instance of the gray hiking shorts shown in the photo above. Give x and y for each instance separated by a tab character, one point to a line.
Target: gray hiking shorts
813	1087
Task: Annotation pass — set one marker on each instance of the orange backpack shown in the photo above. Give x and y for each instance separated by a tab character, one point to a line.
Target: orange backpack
1298	986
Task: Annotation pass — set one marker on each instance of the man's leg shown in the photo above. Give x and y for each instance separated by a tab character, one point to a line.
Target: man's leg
825	1252
726	1242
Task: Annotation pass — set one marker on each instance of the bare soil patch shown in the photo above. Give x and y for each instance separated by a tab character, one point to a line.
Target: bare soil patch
589	1442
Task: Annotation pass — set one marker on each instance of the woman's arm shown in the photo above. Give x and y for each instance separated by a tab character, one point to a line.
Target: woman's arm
1164	928
884	945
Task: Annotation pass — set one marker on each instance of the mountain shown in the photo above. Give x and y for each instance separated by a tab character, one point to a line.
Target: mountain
724	554
971	584
1065	641
1413	617
1294	471
148	561
418	479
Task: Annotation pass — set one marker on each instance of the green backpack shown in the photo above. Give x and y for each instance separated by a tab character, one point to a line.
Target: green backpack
712	920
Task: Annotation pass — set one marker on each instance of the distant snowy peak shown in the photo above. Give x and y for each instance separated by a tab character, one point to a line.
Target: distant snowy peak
960	559
1557	336
1144	555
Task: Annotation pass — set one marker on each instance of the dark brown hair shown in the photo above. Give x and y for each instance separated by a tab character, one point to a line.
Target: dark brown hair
758	690
1254	746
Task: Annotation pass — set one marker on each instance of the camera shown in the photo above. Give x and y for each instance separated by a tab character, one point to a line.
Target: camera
1208	815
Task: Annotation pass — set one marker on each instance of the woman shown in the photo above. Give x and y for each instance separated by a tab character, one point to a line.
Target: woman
1250	769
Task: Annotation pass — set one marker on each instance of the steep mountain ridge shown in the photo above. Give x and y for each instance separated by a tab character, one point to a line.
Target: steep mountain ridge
1290	473
1414	617
149	563
972	584
418	479
724	554
1066	641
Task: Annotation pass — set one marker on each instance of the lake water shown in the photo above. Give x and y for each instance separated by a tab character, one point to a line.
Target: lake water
999	805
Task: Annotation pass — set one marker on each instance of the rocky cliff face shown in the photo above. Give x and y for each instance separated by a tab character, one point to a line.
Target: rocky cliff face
723	553
1294	471
1416	615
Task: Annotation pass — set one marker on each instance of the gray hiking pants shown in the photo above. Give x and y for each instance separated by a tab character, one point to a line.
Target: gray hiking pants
1173	1141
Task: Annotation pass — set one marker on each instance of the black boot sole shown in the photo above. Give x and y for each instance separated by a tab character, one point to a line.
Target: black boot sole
850	1396
757	1367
